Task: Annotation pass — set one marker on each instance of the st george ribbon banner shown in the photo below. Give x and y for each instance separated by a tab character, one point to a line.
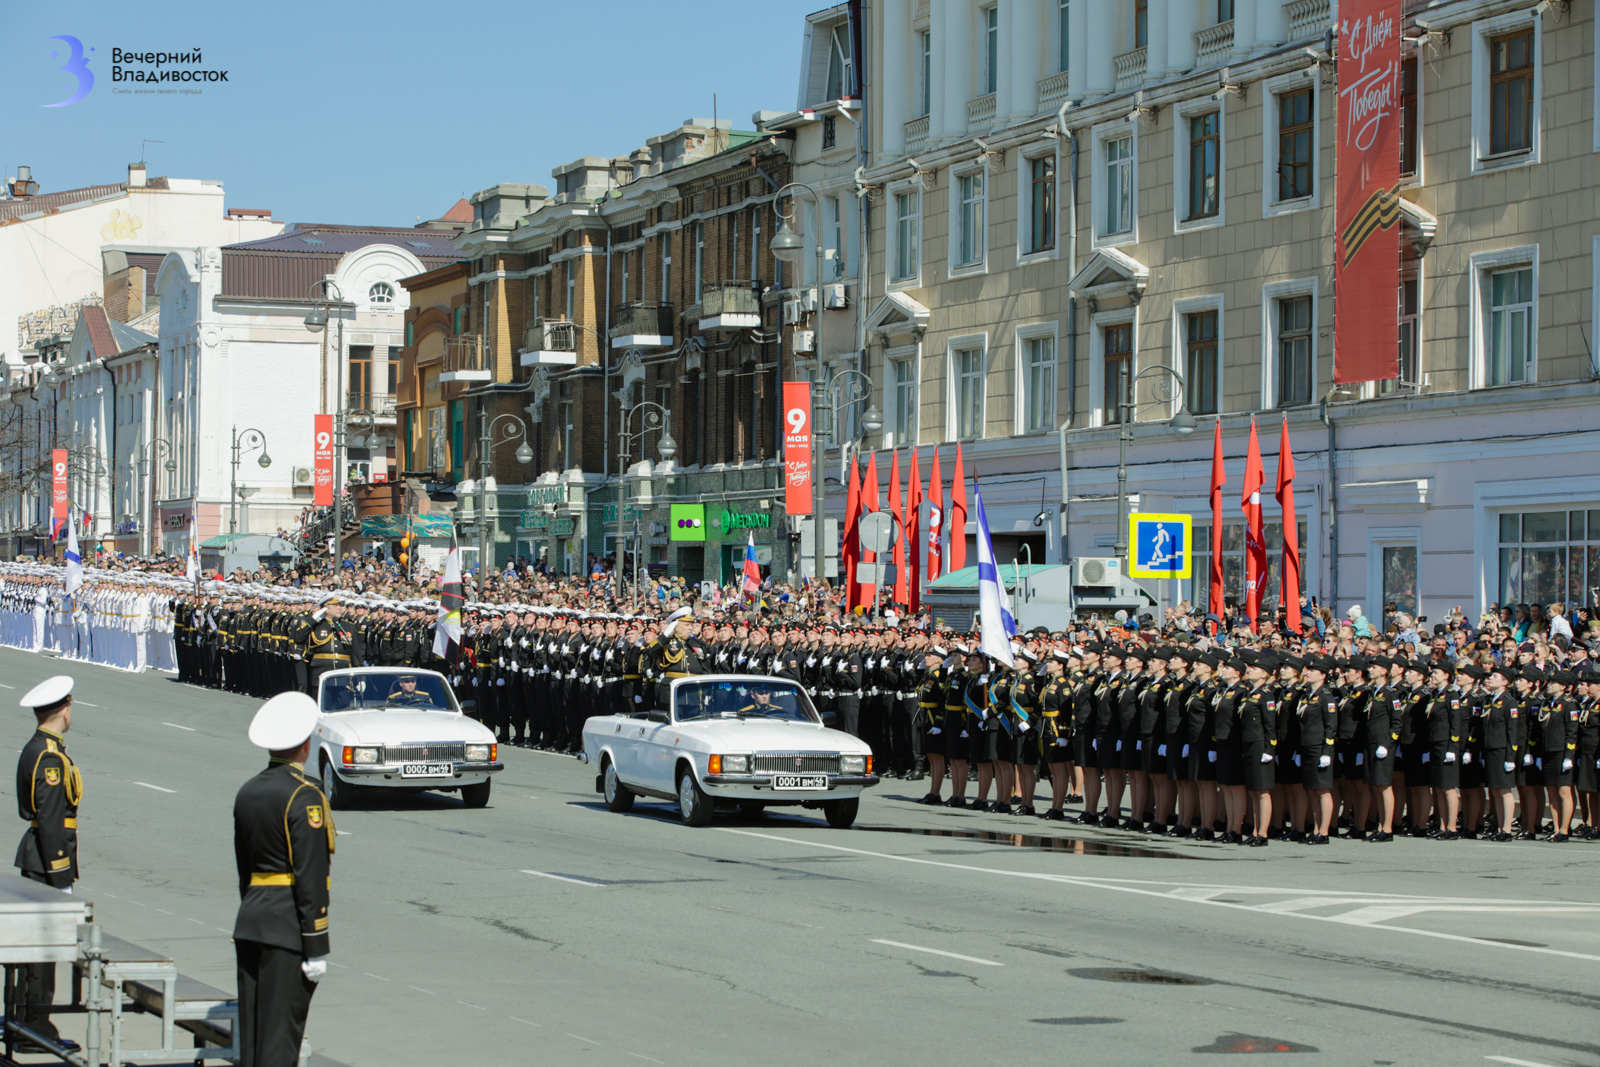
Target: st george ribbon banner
797	447
322	452
1367	150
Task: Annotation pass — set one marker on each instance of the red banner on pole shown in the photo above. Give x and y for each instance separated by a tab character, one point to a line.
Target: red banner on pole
322	451
58	490
1367	219
797	447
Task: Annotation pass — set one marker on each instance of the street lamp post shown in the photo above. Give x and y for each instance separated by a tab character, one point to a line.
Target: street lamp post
316	319
247	440
656	417
82	455
515	429
146	470
1169	384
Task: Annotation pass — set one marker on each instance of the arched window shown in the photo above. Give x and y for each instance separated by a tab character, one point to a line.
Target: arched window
381	293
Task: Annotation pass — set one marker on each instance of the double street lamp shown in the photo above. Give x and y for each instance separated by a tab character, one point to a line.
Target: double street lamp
331	296
246	441
1168	385
146	465
656	417
511	428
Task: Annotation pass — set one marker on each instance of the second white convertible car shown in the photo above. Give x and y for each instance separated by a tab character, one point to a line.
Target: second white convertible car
737	740
392	728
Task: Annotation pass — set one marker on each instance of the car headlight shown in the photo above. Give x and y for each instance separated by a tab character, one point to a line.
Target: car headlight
353	755
736	764
477	753
853	764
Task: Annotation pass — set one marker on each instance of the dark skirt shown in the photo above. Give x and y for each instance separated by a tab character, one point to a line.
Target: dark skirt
1258	775
1107	752
1587	776
1230	763
1472	770
1380	772
1133	753
1548	772
1312	776
1442	775
1344	762
1025	748
1180	767
1081	750
1203	761
1495	775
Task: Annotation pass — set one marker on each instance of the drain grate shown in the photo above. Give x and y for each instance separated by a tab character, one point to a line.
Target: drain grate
1114	974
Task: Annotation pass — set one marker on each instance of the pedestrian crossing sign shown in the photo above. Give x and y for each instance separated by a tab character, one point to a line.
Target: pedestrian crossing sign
1159	545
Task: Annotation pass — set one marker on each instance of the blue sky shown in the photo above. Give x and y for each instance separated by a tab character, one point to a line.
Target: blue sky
351	112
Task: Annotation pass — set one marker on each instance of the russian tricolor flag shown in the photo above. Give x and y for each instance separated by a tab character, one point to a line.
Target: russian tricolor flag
752	569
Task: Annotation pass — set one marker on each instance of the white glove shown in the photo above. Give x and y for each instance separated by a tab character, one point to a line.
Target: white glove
963	733
1449	757
314	969
1185	751
1360	758
1466	757
638	700
1527	759
1138	746
1510	766
1161	750
1061	742
1566	765
1023	726
499	681
1382	752
936	731
1325	762
1297	759
1211	757
1266	757
1538	762
1425	756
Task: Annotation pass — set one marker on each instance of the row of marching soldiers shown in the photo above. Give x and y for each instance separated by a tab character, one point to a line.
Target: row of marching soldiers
1244	745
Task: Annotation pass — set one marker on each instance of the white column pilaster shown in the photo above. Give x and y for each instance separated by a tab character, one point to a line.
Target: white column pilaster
1078	44
1183	22
1155	53
936	77
1103	46
1030	37
894	76
1245	24
1272	23
959	44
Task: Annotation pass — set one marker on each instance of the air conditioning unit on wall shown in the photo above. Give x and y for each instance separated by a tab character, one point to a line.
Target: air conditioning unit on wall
805	340
303	476
1097	572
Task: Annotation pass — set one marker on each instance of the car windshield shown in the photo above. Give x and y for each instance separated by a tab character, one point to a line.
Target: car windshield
700	701
384	689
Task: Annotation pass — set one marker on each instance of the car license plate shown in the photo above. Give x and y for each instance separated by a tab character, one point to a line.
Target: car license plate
426	770
799	781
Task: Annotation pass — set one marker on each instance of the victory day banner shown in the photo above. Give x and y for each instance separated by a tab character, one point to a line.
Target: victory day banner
58	490
322	453
797	447
1367	218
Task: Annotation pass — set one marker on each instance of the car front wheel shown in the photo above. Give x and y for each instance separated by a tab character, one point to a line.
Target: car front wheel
619	798
841	813
336	791
476	796
693	804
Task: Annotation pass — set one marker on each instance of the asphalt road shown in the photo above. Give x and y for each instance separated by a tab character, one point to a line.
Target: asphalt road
545	929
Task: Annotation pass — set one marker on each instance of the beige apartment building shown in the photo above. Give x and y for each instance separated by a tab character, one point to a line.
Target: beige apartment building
1064	191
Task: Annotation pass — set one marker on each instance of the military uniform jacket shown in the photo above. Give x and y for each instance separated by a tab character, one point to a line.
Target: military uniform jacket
1258	716
1558	729
282	843
1318	713
1446	716
49	788
328	644
1384	708
1055	703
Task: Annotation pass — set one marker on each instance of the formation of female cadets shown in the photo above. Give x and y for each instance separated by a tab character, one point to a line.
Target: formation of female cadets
1244	745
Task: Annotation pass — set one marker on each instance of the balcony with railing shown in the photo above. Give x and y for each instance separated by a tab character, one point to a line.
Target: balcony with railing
917	130
1053	90
980	114
551	343
730	306
1213	44
466	359
642	325
379	405
1130	67
1309	18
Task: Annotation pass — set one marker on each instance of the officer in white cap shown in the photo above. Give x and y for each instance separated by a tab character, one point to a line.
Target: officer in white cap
283	843
49	788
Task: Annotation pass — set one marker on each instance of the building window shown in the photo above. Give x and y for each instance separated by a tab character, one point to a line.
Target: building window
1511	92
1141	23
1063	34
969	392
1201	365
840	81
1549	556
830	133
438	440
1296	143
1039	384
1042	204
1119	184
381	294
1408	115
1197	589
572	289
1398	568
1510	348
666	266
699	261
359	379
1204	164
925	72
568	460
1294	351
755	244
969	225
1408	357
836	246
411	333
1224	10
1118	341
907	253
991	49
905	414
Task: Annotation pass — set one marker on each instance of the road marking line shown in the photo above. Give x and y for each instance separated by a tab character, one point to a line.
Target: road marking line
342	833
472	1005
565	878
514	1019
591	1040
175	726
157	788
1135	886
136	903
164	911
86	704
647	1059
338	965
419	989
935	951
197	922
220	930
379	977
4	686
1516	1063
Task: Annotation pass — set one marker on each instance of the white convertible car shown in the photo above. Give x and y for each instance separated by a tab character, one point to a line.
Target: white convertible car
734	740
392	728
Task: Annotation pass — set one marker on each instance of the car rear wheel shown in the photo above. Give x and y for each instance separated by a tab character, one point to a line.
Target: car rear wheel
476	796
339	795
841	813
619	798
693	804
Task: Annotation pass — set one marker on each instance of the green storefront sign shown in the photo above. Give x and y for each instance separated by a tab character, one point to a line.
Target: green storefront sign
746	520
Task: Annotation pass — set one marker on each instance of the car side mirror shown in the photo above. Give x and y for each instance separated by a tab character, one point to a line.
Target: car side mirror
469	707
658	715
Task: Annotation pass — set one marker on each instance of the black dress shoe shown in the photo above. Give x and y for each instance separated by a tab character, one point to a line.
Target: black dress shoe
1074	798
1501	836
1023	809
1108	821
1380	837
1157	828
1132	824
915	776
1088	818
1316	839
1258	842
1229	838
1179	831
1557	839
1205	834
931	798
1055	815
955	802
1448	835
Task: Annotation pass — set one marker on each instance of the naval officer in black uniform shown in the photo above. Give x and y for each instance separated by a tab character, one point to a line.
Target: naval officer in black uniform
283	843
49	788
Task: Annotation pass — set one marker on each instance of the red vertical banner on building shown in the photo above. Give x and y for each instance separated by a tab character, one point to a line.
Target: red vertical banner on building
322	451
797	447
58	491
1366	274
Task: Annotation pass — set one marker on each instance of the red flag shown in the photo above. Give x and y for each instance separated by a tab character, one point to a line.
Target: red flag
852	551
958	515
899	521
1219	478
1290	572
1255	549
935	514
870	501
912	535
